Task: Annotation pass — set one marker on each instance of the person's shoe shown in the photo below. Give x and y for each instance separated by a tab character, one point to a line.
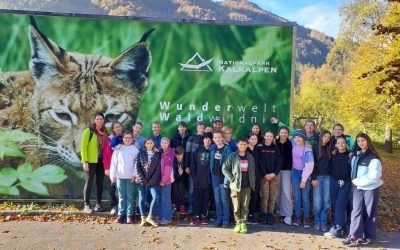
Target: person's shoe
324	228
218	224
288	220
174	207
182	209
195	221
87	209
243	228
98	208
250	219
238	227
165	222
263	218
306	223
120	219
129	220
329	235
296	222
225	224
365	241
270	219
317	226
114	211
204	221
152	221
350	241
143	220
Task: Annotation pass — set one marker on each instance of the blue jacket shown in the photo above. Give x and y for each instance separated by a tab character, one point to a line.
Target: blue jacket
227	151
366	170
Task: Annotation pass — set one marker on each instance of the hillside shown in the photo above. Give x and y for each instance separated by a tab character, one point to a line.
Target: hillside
312	45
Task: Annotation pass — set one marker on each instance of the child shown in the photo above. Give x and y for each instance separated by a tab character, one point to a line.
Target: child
148	174
200	172
284	194
366	172
340	186
239	170
227	136
219	153
303	165
167	178
320	180
122	173
156	135
269	162
179	187
254	206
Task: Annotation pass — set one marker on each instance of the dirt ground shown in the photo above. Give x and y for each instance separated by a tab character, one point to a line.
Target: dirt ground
93	235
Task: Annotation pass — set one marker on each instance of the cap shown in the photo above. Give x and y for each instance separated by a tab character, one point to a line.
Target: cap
300	133
217	119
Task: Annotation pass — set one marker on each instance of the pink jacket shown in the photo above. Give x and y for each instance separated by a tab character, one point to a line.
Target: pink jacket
107	154
167	165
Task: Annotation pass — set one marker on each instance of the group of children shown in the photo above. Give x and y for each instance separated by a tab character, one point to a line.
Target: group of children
255	175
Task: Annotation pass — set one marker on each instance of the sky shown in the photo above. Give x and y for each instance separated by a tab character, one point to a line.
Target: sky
316	14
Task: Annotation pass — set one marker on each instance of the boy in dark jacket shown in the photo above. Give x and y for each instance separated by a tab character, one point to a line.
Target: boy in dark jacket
269	162
200	173
180	185
181	136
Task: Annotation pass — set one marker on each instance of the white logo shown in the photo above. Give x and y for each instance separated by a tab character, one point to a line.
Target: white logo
203	66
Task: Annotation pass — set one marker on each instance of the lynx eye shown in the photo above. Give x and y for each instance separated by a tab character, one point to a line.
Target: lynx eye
110	118
62	117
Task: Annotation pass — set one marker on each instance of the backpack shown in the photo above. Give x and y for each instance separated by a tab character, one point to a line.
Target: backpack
91	133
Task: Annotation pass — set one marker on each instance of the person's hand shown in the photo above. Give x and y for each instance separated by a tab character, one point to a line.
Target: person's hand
302	184
107	172
113	179
272	176
133	178
119	146
314	183
162	184
274	120
187	170
85	167
180	171
266	177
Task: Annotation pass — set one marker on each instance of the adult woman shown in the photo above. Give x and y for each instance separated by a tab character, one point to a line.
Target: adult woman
284	196
95	151
366	172
147	172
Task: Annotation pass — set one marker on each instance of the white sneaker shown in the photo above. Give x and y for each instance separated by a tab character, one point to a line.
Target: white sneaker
114	211
288	220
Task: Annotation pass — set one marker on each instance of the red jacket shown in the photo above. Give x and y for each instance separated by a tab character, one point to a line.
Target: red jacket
167	166
107	153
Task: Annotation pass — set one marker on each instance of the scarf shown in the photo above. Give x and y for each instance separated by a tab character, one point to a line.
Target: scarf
101	136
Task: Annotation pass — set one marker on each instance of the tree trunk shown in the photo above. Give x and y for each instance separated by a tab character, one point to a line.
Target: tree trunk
388	139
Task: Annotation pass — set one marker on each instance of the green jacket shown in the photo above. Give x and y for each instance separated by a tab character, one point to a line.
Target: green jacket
231	170
89	150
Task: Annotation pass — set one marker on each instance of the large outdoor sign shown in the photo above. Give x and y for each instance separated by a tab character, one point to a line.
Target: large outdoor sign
57	72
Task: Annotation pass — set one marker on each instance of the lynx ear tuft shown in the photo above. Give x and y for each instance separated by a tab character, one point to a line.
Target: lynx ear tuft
133	64
47	56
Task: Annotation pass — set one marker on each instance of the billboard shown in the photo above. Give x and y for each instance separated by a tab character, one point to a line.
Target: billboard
57	72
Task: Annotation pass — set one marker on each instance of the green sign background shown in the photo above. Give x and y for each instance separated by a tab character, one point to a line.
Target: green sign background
241	74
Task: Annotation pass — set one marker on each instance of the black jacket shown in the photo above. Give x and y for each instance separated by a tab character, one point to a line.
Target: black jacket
268	159
286	153
200	168
148	174
192	144
177	140
322	167
341	166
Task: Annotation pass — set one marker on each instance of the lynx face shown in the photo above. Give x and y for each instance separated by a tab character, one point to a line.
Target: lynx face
71	87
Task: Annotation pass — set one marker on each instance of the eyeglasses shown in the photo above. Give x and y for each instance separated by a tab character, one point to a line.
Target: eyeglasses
128	137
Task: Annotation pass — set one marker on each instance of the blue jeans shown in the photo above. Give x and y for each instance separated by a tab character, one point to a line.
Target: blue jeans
301	195
166	204
221	201
321	195
143	191
339	197
125	192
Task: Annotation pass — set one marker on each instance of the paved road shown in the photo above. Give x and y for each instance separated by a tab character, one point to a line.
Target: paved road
92	235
